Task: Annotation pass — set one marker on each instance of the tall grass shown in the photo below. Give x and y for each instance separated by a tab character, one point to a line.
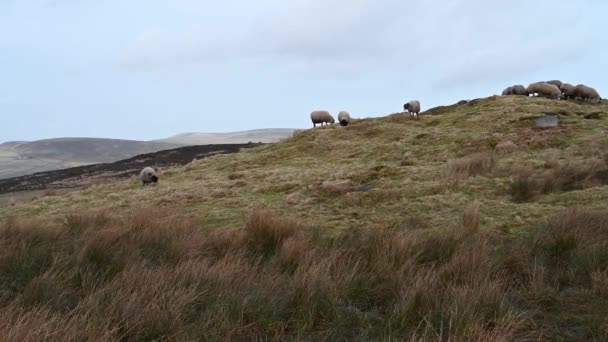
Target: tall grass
156	276
477	164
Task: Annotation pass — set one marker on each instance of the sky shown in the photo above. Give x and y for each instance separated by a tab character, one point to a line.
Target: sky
149	69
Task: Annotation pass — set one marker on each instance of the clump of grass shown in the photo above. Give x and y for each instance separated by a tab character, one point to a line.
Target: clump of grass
478	164
470	216
523	187
266	231
527	183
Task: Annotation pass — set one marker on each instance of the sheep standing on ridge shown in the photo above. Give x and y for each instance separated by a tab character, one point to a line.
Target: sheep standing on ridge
344	118
413	107
531	89
568	91
519	89
148	175
544	89
586	93
321	117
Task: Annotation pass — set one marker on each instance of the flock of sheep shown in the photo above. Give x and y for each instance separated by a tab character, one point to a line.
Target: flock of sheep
323	117
552	89
555	90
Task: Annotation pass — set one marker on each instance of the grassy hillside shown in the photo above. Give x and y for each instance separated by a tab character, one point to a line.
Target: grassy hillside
469	224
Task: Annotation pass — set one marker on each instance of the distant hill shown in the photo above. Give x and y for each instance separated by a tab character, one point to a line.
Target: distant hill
18	158
268	135
21	158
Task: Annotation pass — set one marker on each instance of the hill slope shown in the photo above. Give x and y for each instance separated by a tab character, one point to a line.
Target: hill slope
469	224
394	156
268	135
19	158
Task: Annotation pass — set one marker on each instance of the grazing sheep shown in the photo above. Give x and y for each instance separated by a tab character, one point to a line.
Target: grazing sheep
568	91
586	93
507	91
321	117
544	89
413	107
344	118
519	89
148	175
556	83
531	89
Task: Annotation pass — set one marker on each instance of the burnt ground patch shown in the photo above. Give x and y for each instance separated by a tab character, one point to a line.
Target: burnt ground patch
96	173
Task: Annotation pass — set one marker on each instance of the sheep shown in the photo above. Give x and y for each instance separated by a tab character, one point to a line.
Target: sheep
544	89
344	118
586	93
462	102
321	117
519	89
568	91
556	83
413	107
148	175
507	91
531	89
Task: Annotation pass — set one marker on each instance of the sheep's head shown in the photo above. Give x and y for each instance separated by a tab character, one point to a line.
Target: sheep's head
332	120
406	106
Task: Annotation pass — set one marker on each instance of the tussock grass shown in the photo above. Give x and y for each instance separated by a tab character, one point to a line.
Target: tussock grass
373	283
478	164
557	175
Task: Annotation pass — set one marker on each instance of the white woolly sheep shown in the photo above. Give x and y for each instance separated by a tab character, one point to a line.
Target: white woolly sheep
519	89
586	93
568	91
531	89
321	117
507	91
148	175
413	107
544	89
344	118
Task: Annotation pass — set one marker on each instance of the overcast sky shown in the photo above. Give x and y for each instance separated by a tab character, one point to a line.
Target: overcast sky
146	69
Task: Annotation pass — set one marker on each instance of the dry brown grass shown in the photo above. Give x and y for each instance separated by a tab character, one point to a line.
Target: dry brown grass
470	217
340	186
505	147
478	164
157	276
557	176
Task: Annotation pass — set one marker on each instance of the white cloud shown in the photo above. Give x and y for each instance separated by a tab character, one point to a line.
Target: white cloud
462	40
